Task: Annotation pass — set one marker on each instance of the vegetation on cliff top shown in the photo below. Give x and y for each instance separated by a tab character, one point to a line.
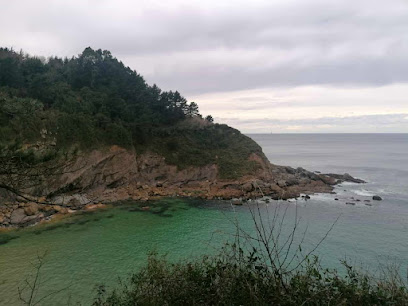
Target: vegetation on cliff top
94	100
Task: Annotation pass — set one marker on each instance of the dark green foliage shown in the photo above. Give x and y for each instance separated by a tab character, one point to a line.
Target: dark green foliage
93	100
235	279
209	144
209	118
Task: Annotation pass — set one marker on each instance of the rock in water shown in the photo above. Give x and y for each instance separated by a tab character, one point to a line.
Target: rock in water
377	198
236	201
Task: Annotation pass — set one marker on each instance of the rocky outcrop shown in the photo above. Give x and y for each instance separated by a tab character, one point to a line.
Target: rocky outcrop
116	174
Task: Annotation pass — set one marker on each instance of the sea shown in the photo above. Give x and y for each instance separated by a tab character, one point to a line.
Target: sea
100	248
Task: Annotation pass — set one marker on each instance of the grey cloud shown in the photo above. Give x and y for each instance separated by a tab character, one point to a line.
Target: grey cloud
351	72
207	47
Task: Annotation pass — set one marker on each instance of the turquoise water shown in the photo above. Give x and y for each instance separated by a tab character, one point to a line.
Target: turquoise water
97	248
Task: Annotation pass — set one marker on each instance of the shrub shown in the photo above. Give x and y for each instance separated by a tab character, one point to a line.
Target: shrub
229	279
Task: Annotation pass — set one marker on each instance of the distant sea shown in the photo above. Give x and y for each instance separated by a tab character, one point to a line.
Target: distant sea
367	235
96	248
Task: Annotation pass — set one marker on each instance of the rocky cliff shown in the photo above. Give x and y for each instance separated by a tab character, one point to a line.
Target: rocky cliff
115	173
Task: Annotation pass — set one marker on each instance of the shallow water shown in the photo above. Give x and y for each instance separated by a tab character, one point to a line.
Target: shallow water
98	247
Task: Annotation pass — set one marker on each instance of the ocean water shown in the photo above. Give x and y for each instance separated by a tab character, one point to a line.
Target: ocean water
367	235
97	248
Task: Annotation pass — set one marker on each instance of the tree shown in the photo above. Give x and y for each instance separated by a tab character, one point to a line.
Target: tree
209	118
192	110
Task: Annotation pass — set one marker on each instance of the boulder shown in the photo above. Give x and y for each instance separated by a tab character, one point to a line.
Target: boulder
290	194
281	183
236	201
74	202
327	179
377	198
290	170
247	187
47	209
17	216
31	209
61	209
292	181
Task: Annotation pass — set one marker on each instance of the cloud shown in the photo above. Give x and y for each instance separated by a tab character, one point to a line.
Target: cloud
325	107
199	47
281	59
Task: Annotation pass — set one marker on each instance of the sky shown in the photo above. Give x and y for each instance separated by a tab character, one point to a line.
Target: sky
275	66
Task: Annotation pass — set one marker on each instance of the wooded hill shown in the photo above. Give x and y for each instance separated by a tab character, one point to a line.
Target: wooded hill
93	100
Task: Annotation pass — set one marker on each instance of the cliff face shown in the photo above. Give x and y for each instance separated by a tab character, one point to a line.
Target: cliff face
115	173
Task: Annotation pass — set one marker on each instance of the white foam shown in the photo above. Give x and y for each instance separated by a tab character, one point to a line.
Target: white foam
364	192
348	184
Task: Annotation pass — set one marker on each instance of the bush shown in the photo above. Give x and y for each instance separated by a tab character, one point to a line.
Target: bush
234	279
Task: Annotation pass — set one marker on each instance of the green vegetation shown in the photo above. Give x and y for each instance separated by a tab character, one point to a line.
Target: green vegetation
235	279
93	100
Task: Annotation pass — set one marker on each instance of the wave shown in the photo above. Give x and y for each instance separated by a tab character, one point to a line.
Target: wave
364	192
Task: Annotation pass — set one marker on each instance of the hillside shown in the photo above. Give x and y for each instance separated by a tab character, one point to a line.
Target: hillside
88	129
93	100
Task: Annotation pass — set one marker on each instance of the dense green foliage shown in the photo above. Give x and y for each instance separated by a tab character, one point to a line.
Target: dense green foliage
245	280
94	100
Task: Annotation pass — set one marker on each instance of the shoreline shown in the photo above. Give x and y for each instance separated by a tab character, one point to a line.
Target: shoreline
20	215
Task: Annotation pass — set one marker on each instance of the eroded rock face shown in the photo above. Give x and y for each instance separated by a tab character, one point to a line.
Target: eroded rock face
117	174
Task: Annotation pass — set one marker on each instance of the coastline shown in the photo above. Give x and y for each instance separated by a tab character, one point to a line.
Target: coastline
289	184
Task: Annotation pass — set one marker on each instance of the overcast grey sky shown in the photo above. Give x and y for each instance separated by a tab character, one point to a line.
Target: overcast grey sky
260	66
